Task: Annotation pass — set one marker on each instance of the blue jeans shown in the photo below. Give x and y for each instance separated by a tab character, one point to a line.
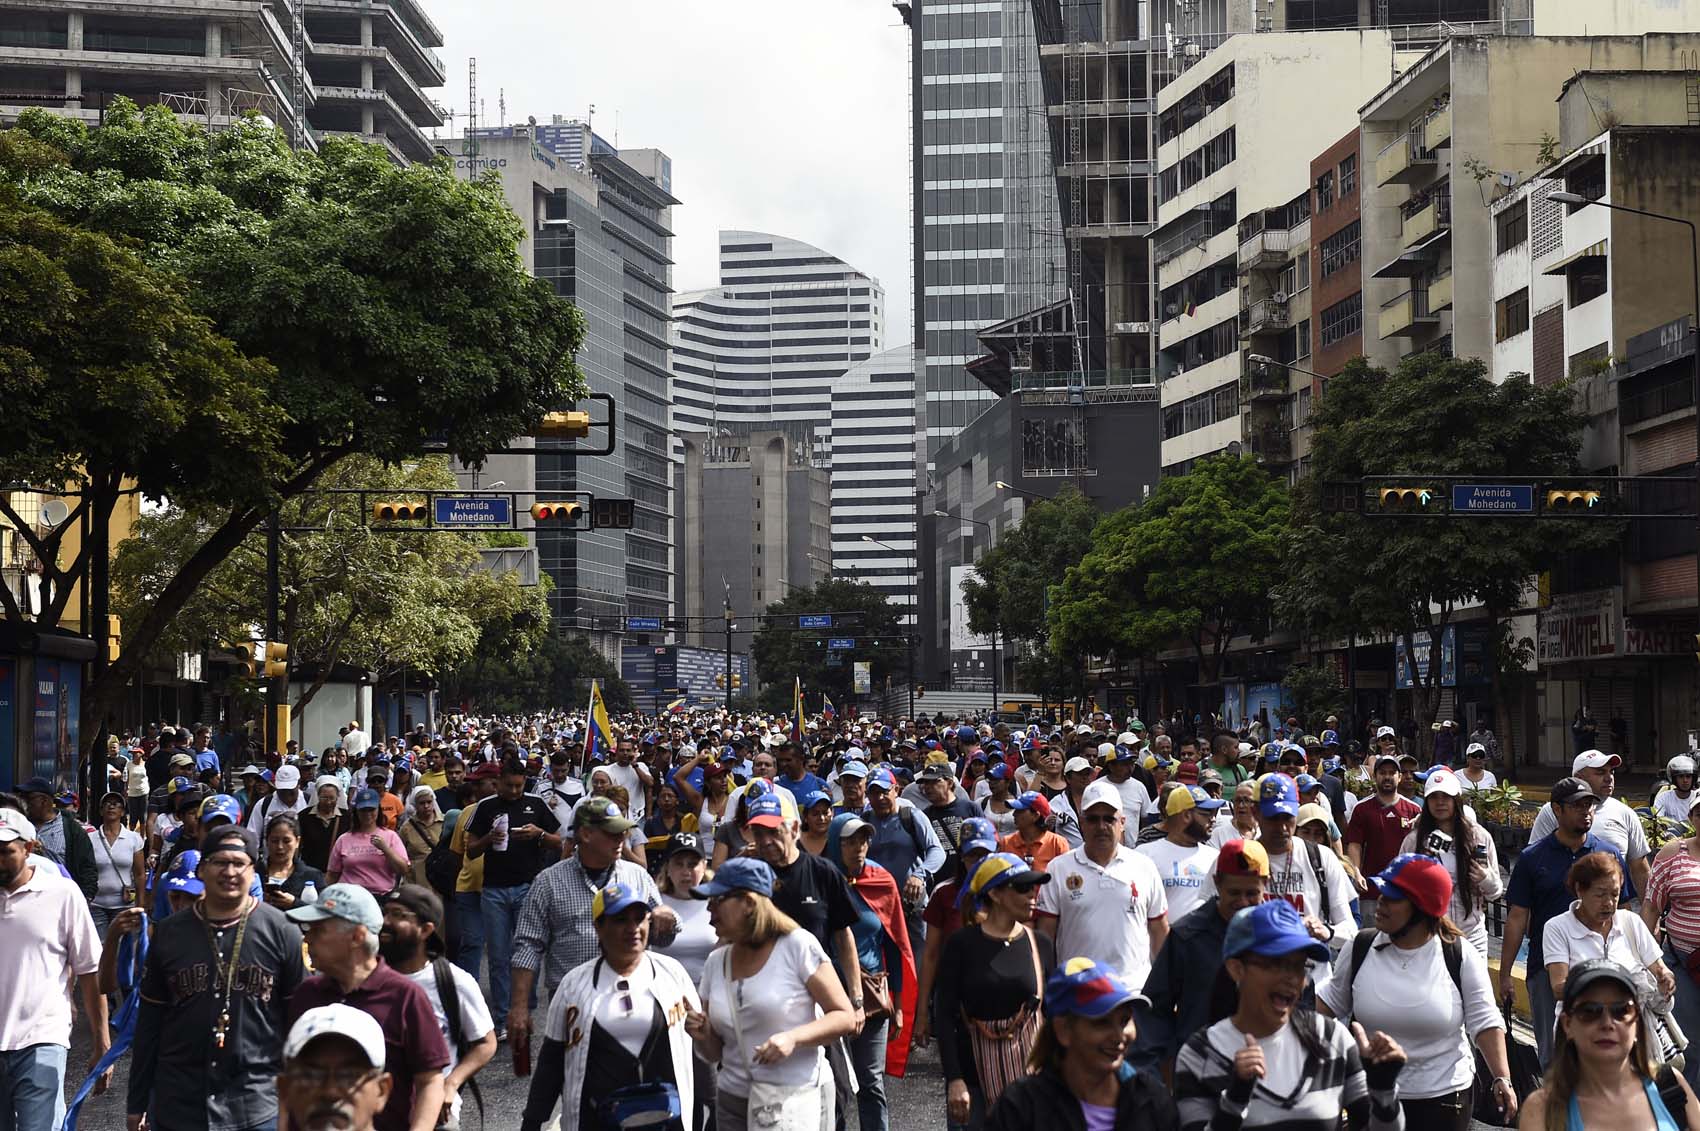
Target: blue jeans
1687	1013
32	1088
501	919
1541	1015
867	1058
469	920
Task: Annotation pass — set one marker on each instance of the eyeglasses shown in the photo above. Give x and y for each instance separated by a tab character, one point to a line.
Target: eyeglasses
340	1078
1281	964
1589	1012
1292	763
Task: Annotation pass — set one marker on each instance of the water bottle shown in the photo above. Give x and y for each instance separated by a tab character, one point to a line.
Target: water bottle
309	893
499	827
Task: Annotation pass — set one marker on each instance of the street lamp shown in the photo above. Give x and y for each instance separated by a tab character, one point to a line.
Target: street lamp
1014	490
914	606
1265	359
1577	200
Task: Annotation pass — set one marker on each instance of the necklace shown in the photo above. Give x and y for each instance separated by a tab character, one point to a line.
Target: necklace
215	936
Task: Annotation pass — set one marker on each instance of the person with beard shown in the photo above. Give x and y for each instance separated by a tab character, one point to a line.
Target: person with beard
1183	859
333	1075
212	996
411	942
342	931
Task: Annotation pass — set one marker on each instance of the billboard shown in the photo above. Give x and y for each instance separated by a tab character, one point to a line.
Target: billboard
961	639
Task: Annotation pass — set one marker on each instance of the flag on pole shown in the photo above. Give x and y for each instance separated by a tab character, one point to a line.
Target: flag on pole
676	705
599	736
797	711
827	710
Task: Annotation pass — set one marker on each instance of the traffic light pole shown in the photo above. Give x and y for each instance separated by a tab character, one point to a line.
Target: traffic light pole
728	617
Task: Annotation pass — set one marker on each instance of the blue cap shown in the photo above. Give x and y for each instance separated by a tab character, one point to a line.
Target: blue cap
730	754
180	785
1330	738
221	807
967	734
1084	988
882	779
1306	782
979	755
740	873
765	808
1331	765
612	900
853	769
812	798
999	771
182	875
1271	929
978	832
1278	797
1272	751
367	799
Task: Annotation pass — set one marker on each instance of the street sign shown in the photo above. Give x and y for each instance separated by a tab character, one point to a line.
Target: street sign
815	621
1493	498
472	510
643	624
841	643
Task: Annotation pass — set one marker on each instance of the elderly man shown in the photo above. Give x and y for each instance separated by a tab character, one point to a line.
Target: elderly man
59	835
1614	822
342	938
333	1075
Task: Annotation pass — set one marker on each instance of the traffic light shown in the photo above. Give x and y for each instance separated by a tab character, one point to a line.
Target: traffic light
399	510
737	680
610	514
1341	498
277	660
1410	500
556	512
564	426
1574	502
114	634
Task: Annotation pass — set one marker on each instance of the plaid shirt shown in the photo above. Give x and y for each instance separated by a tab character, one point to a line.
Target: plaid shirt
555	931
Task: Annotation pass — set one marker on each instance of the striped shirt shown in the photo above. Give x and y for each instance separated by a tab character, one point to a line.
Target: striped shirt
1299	1092
555	932
1675	889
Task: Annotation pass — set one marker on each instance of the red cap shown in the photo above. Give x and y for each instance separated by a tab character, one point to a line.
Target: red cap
1421	879
1187	773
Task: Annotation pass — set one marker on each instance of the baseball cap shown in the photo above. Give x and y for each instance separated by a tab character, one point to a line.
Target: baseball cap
421	902
1209	776
182	876
1277	797
483	772
231	838
771	810
1421	879
1475	748
604	814
935	771
1126	738
613	899
1443	781
1000	869
1572	789
1385	732
36	785
15	826
812	798
1000	771
1271	929
1035	802
1590	971
683	842
1107	752
850	825
182	760
287	777
1306	783
221	807
1242	858
1330	738
882	779
978	832
967	734
740	873
1380	758
1311	811
1076	765
336	1020
1187	772
1594	760
1101	792
1183	798
348	902
250	768
853	769
1084	988
367	799
1154	761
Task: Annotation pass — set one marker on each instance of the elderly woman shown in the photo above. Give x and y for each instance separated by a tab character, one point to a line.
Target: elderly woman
327	819
1240	822
1595	927
615	1036
421	828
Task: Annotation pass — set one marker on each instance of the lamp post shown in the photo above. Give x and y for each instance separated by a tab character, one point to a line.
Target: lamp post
1577	200
1014	490
997	636
1265	359
909	636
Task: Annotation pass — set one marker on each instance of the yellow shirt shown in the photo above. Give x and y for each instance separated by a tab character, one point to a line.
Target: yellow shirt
436	780
471	876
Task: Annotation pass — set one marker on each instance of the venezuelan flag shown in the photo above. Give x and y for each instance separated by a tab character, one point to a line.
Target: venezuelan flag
797	712
827	710
599	739
676	705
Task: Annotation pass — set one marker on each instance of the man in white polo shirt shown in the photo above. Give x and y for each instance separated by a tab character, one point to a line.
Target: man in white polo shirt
1614	822
49	938
1107	901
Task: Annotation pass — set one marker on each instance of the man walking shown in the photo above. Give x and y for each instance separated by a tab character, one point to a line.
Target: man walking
1378	826
1183	858
1615	823
286	797
59	835
49	943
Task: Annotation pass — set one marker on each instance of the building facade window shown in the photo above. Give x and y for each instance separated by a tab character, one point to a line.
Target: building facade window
1201	411
1325	191
1348	175
1511	315
1341	248
1343	319
1511	228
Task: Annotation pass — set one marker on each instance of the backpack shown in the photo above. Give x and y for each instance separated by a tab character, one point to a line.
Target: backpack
443	863
1674	1096
450	997
1452	950
1322	886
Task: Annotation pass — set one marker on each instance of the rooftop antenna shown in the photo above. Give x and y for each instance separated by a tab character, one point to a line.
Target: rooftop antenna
501	106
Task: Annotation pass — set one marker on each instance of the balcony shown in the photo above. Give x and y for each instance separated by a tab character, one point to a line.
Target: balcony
1167	247
1267	248
1263	316
1271	443
1424	216
1404	160
1440	293
1403	313
1437	130
1260	382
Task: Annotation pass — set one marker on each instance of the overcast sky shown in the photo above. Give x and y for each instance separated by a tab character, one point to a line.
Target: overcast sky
784	116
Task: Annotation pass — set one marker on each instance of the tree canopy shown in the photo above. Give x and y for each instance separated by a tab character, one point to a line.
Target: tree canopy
781	652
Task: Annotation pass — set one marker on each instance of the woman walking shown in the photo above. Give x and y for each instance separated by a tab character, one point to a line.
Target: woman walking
816	810
1672	910
1595	927
1413	978
420	830
368	855
120	862
324	822
682	871
991	979
1241	822
1463	848
771	999
286	876
1602	1074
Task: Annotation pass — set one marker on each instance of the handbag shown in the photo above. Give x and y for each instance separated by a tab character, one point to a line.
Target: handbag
1000	1047
876	996
1525	1064
780	1107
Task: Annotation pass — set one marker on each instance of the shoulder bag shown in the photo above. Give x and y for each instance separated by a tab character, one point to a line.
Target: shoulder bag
774	1107
1000	1047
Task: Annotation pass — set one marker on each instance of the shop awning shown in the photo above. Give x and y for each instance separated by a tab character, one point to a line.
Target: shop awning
1413	261
1595	250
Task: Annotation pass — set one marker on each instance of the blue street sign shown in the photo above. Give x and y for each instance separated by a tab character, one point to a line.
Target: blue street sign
815	621
472	510
1493	498
643	624
841	643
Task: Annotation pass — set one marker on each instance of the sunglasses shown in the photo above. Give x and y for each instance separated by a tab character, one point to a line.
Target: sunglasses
1589	1012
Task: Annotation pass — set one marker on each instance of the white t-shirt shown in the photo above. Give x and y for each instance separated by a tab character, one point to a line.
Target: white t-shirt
1136	802
1292	878
561	798
1224	831
1488	781
136	778
1188	873
1670	805
1614	822
629	1026
696	939
1568	940
627	776
475	1019
1102	913
775	999
114	865
1408	994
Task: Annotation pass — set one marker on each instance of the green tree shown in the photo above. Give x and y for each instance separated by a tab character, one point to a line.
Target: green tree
1408	576
346	305
782	653
1191	565
1313	693
554	676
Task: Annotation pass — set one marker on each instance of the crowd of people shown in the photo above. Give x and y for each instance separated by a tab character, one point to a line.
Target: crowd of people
704	920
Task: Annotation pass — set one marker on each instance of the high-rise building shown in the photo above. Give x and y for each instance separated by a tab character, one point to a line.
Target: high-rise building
364	70
599	231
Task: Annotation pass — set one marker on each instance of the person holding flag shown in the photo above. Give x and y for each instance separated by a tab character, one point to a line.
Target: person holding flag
797	712
599	733
827	710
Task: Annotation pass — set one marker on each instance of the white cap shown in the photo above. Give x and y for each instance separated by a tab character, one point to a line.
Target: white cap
15	826
1442	781
1127	738
287	777
1076	764
1594	760
340	1021
1385	732
1106	749
1475	748
1101	792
